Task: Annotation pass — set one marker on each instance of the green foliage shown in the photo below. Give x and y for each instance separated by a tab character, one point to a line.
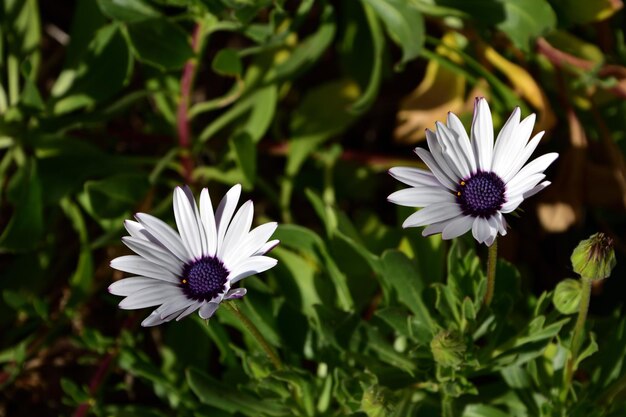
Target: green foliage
106	105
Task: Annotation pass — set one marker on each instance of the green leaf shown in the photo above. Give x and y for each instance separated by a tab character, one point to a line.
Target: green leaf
21	24
387	353
584	12
481	410
521	20
527	20
129	11
223	396
245	155
404	24
100	75
309	51
66	163
323	112
82	279
26	225
262	111
77	393
227	63
309	244
400	273
114	196
591	348
378	43
160	43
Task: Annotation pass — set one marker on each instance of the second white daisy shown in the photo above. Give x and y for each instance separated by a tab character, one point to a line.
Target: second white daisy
194	269
472	183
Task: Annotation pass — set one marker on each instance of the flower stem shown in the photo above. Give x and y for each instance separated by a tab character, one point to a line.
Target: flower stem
491	272
269	351
447	406
577	338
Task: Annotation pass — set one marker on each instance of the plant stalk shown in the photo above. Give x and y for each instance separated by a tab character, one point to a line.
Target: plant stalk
579	328
269	351
491	272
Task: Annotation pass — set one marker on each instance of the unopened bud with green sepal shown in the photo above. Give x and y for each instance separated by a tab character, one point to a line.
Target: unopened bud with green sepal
448	349
374	402
566	297
594	258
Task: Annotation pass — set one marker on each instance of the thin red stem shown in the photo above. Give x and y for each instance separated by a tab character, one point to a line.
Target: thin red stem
182	116
101	372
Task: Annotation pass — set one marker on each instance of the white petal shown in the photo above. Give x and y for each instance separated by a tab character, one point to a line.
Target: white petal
267	247
511	205
414	176
519	141
208	220
135	229
457	227
462	140
154	254
501	223
154	319
520	158
250	244
445	162
494	226
193	307
482	134
251	266
175	305
137	265
207	310
187	223
235	293
435	168
505	142
149	297
128	286
535	190
432	214
481	229
165	234
238	229
435	228
517	187
420	196
536	166
452	148
225	212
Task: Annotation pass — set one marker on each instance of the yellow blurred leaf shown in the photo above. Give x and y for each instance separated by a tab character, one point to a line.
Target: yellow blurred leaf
525	85
441	91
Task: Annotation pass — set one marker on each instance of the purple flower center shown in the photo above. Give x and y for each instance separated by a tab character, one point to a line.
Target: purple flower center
203	279
481	195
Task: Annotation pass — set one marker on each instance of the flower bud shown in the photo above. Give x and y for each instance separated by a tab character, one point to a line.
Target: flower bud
448	349
566	297
594	258
373	402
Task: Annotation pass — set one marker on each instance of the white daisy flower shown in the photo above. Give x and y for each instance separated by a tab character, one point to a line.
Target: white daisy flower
195	268
472	183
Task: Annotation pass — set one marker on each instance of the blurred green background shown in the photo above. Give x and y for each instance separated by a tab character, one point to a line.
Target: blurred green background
106	105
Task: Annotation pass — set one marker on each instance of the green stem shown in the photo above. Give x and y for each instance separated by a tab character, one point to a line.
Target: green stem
273	357
447	406
579	328
491	272
13	75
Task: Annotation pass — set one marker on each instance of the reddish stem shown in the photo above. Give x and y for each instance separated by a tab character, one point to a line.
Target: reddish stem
103	368
563	60
182	117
